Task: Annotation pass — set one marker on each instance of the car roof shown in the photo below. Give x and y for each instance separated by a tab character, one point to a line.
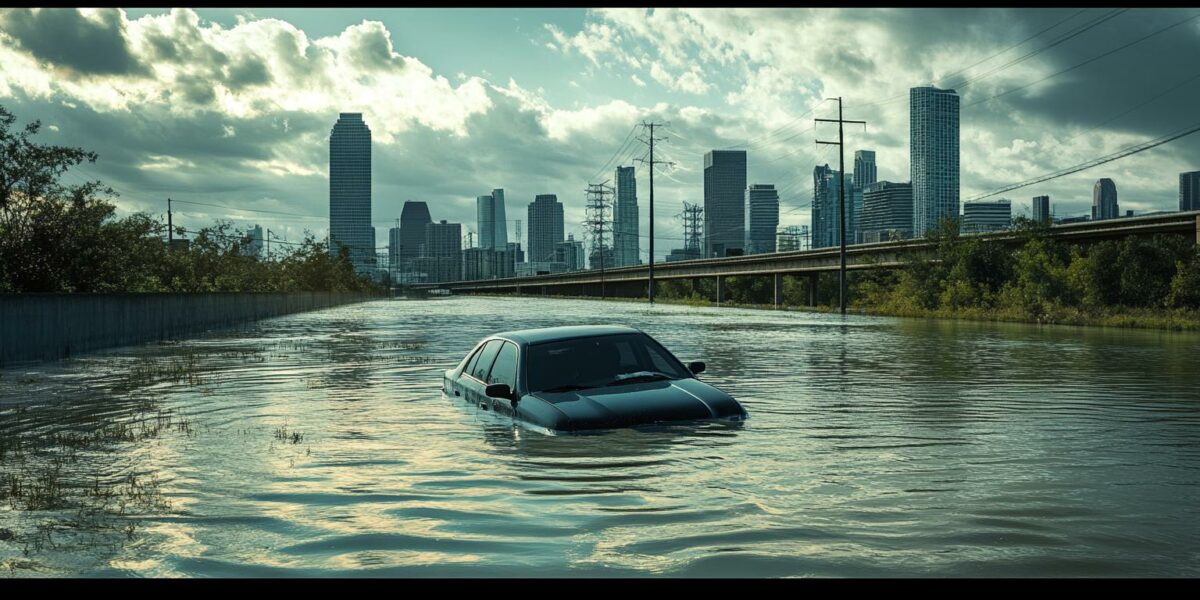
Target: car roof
554	334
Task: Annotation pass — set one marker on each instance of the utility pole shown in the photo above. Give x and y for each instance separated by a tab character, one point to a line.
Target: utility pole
170	227
649	140
268	244
841	195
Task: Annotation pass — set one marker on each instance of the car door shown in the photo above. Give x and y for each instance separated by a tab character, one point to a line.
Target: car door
473	380
504	370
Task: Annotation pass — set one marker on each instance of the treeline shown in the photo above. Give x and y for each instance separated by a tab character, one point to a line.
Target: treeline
67	238
1153	281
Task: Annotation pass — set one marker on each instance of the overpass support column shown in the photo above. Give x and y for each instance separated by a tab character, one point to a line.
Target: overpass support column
778	289
813	278
1198	229
720	289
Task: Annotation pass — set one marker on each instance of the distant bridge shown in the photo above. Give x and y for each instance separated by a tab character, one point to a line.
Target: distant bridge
632	281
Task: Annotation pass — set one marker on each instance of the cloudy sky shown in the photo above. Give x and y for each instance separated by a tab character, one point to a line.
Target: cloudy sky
234	107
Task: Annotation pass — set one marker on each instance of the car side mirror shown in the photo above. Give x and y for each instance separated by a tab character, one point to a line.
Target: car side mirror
498	390
696	367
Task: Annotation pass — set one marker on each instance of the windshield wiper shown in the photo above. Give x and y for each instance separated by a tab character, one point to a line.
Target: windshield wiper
639	377
567	388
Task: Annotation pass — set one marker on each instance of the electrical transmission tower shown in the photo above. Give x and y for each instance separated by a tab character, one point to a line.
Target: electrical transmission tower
693	228
649	140
598	224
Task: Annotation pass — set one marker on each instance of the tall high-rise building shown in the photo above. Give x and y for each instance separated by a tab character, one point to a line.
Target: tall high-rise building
545	227
762	207
394	248
1041	209
414	216
986	215
827	208
933	145
865	171
1189	191
887	212
625	219
492	220
254	242
350	191
442	252
1104	200
724	202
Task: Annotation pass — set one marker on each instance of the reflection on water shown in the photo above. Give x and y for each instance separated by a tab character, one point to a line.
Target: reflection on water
319	444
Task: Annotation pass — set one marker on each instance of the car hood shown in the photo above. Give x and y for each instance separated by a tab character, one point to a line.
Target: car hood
639	403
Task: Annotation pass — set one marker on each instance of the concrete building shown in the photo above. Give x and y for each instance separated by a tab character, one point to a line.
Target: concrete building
724	202
442	253
827	206
570	253
865	170
1189	191
414	216
350	191
625	219
1104	200
887	212
492	220
1041	209
934	160
762	215
986	215
254	242
545	227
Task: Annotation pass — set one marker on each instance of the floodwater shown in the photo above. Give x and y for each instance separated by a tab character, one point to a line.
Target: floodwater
320	444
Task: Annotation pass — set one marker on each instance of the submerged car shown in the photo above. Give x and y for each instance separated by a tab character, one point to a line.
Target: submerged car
585	377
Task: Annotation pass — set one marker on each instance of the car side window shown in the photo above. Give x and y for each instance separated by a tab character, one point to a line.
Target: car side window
470	367
504	370
480	369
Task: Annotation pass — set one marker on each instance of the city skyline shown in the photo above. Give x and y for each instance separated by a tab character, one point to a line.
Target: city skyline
248	132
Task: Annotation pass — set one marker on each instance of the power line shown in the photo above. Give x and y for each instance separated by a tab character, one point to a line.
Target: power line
1088	61
1129	151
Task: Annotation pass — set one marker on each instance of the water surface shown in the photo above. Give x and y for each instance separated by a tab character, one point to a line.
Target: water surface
320	444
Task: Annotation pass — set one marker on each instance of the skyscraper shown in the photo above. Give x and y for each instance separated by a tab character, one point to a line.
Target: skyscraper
933	145
865	171
442	251
1041	209
1189	191
625	219
724	202
492	220
1104	200
887	212
414	216
350	191
545	227
827	207
762	206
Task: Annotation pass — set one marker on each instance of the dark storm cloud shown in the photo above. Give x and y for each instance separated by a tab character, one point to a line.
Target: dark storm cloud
67	39
247	72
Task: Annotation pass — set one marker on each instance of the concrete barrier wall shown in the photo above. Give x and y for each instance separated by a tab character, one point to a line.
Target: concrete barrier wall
51	326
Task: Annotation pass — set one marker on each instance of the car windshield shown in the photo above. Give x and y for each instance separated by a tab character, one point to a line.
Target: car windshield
600	361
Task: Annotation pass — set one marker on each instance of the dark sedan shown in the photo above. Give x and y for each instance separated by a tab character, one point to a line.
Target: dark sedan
587	377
